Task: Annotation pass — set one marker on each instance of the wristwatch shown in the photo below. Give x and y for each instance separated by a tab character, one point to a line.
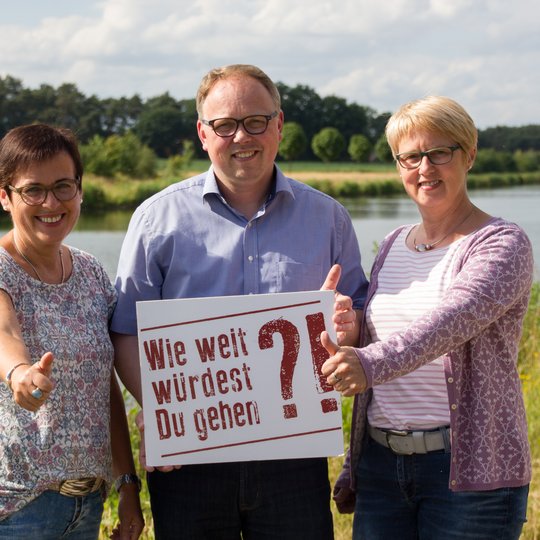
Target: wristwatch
127	479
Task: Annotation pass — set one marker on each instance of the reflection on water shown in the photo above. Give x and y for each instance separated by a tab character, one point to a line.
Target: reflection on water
103	234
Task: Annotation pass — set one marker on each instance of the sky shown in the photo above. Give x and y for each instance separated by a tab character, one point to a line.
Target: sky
378	53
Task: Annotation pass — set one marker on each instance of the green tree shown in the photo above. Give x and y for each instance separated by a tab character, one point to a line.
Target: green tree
294	141
359	148
119	154
120	115
328	144
161	125
11	114
382	150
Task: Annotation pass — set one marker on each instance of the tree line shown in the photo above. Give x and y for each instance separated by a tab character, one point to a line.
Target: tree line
328	128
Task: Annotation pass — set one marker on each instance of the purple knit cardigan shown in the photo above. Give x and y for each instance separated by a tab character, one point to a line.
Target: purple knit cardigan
477	327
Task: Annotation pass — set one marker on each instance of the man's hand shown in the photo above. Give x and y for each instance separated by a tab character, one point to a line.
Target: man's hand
139	422
345	318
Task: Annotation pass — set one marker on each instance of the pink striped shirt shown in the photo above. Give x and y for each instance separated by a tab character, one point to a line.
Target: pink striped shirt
410	283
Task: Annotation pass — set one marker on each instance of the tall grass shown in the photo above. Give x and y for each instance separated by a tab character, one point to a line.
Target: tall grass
529	369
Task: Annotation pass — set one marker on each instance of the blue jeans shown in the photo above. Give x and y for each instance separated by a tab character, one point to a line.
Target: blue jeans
52	516
407	497
262	500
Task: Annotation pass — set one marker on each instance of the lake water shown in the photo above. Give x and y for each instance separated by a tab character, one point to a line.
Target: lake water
373	218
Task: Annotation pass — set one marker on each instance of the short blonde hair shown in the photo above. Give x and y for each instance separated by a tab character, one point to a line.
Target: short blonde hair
432	114
242	70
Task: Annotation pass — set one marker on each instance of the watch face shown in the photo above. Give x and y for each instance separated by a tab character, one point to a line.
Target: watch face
127	479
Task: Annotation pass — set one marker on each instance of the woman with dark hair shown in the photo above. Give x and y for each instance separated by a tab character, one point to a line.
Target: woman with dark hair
59	399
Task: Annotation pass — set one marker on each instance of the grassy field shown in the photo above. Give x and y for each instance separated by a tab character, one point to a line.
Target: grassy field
340	180
529	369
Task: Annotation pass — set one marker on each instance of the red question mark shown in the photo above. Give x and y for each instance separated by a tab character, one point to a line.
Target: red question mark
291	346
315	325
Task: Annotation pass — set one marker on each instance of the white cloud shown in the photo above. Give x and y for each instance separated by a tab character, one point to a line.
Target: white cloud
484	53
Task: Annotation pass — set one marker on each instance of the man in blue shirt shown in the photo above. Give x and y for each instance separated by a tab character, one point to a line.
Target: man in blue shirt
240	228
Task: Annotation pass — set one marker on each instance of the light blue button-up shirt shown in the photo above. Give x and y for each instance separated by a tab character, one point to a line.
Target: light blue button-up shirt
187	242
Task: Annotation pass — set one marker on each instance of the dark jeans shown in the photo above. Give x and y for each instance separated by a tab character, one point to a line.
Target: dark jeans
407	497
262	500
52	516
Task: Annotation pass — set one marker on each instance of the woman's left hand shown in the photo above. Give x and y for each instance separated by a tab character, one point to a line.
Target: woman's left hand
343	369
129	513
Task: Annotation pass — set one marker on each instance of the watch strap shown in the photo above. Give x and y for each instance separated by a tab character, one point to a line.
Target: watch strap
127	479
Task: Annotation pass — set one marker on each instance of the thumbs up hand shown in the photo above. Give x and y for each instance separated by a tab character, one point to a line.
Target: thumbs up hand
343	369
345	318
33	385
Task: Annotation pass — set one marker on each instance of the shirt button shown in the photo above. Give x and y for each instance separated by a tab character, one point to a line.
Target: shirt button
450	380
453	407
453	482
250	258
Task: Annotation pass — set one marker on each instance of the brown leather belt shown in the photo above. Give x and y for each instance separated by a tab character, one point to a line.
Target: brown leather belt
79	487
407	443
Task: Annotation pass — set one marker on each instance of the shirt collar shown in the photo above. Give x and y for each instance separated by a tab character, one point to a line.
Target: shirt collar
280	184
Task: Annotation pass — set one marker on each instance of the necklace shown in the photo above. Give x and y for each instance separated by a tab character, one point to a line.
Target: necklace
34	268
427	247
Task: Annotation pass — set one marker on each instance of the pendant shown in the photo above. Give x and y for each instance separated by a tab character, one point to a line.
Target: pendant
423	247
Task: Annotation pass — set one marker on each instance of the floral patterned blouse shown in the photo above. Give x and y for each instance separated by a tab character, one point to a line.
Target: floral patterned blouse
69	436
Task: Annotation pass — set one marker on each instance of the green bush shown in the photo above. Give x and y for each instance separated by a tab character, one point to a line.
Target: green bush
175	165
119	154
94	196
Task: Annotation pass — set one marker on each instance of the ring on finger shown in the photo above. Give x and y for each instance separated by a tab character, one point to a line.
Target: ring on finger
37	393
336	378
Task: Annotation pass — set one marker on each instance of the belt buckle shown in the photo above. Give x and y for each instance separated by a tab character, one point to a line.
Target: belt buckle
397	433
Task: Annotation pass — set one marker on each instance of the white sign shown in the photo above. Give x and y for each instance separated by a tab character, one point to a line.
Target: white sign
237	378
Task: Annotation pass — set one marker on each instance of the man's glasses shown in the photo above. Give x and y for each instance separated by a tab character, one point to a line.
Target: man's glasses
255	124
35	194
436	156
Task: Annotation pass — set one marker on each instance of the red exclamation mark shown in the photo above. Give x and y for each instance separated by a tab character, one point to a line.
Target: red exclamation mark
319	354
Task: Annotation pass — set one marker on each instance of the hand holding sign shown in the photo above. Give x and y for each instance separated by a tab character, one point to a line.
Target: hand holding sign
345	317
139	422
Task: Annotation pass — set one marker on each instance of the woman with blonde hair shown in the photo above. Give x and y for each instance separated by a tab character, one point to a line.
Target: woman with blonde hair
439	445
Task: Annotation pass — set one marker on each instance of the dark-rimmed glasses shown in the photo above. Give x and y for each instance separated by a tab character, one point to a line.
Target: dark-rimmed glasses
35	194
254	124
437	156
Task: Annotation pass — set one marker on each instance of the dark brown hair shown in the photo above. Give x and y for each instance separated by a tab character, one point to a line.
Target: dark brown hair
34	143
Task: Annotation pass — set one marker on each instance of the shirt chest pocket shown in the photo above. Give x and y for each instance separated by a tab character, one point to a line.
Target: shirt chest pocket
297	276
